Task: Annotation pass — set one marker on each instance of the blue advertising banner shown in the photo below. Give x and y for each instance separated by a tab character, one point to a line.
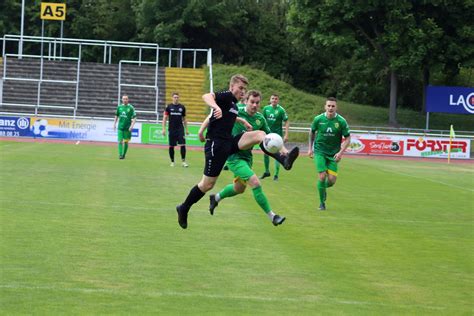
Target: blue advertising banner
458	100
11	126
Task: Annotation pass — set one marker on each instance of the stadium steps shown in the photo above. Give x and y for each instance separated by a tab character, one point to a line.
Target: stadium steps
189	83
98	93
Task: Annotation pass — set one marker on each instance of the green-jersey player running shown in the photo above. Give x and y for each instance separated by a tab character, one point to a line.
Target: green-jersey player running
275	115
327	149
126	117
240	163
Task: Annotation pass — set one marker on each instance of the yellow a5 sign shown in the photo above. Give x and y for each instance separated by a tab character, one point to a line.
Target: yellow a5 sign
53	11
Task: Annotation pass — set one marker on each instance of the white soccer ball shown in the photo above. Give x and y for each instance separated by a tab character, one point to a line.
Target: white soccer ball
40	128
273	143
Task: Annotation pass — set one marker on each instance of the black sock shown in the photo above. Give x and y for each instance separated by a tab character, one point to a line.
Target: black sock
171	152
278	157
183	153
194	196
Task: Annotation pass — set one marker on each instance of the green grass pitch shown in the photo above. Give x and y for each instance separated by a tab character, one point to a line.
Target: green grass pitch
82	232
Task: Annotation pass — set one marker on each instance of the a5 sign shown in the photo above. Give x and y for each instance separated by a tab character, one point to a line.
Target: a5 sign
53	11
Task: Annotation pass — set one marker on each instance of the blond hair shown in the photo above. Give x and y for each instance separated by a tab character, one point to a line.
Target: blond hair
235	78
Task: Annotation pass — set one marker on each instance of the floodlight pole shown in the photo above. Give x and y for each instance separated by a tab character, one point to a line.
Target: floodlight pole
20	46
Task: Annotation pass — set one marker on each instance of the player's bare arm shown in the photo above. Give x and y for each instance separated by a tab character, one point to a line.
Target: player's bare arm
131	125
203	127
310	145
210	100
344	145
115	122
245	123
287	128
163	124
185	123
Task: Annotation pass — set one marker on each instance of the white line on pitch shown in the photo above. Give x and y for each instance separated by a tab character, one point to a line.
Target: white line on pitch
308	299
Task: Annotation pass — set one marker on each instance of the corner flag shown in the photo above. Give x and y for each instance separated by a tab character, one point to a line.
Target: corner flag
451	136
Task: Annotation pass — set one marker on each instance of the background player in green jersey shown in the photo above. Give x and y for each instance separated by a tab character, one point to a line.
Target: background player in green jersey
275	115
126	117
327	150
240	163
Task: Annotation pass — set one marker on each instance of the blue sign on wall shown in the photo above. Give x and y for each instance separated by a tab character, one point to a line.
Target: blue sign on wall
457	100
11	126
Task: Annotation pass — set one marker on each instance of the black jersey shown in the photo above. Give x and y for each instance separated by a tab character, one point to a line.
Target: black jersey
175	112
222	128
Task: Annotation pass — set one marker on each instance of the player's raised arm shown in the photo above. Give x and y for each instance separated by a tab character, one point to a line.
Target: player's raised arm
210	100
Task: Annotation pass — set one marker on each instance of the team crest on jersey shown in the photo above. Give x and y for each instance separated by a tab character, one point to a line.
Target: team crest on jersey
257	122
180	109
336	125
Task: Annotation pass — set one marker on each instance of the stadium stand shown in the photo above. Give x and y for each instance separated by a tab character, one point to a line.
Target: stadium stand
189	83
73	88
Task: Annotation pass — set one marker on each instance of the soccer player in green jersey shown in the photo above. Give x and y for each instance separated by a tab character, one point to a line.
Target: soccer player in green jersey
240	163
275	115
126	117
327	148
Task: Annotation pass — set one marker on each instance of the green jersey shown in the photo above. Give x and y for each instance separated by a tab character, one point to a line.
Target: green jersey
125	113
275	117
240	104
329	133
258	122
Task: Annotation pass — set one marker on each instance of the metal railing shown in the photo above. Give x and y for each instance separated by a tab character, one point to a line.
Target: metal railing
305	127
51	48
155	86
41	80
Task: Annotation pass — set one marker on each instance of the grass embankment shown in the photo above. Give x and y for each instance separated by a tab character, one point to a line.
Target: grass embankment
302	106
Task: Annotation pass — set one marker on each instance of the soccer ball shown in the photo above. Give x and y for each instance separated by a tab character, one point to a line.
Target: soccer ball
40	128
273	143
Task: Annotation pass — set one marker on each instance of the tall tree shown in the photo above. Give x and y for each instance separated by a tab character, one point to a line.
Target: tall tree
385	28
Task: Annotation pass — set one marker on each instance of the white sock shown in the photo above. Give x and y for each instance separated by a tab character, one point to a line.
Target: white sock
217	197
271	215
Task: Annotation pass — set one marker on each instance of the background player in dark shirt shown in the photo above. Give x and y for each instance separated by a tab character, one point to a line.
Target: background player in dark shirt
176	113
220	143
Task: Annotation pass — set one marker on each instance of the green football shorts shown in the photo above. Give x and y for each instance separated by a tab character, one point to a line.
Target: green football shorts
124	135
241	168
325	163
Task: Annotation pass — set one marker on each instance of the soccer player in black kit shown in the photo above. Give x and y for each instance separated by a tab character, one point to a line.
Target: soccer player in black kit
220	143
176	113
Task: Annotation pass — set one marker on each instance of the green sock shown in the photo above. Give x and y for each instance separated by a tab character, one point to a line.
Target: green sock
261	199
277	168
266	163
227	191
322	191
120	148
125	148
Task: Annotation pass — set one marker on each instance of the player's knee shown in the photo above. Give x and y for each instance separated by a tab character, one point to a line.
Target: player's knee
259	136
254	182
239	189
205	186
322	176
